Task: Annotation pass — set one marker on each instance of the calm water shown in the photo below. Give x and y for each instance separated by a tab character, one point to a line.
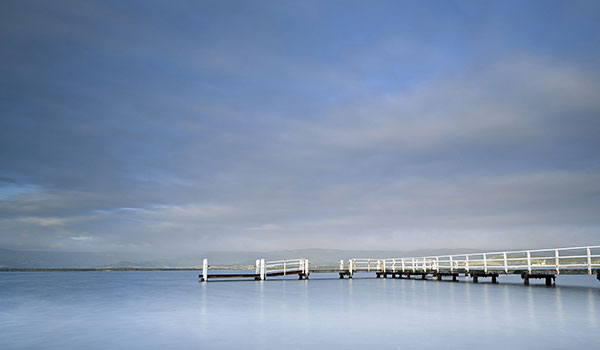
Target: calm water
158	310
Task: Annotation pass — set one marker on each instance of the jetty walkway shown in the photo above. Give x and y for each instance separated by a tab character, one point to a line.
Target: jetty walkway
529	264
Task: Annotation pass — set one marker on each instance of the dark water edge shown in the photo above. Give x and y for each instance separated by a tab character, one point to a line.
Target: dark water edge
171	309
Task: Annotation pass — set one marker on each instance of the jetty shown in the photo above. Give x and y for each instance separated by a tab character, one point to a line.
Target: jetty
544	264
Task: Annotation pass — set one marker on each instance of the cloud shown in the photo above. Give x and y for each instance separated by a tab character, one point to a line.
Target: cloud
296	130
264	227
82	238
459	163
47	221
516	101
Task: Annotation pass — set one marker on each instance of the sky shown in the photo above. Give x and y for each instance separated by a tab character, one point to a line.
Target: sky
171	127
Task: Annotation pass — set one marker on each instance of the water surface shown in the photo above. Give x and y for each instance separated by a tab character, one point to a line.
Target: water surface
171	309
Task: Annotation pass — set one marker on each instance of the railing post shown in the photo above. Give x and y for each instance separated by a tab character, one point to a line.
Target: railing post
437	264
557	261
394	265
485	263
451	265
284	267
383	265
589	260
378	265
257	266
403	265
262	269
368	265
528	261
341	265
467	263
414	268
205	270
505	264
424	264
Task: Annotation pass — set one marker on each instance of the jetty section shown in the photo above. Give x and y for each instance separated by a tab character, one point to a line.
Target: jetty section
544	264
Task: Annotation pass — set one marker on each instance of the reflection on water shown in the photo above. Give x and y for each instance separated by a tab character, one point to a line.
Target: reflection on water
157	310
592	300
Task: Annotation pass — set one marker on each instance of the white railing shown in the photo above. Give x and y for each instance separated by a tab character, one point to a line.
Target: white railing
408	265
282	266
285	265
266	268
415	265
365	265
556	259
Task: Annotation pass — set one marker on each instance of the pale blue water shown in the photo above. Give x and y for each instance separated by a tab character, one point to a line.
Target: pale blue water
160	310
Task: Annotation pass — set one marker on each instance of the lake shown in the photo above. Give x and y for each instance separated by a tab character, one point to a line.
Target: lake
171	309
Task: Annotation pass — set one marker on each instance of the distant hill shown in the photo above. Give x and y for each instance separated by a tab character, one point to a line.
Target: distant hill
50	259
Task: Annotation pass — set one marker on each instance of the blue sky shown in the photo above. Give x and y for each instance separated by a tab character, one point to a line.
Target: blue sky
173	127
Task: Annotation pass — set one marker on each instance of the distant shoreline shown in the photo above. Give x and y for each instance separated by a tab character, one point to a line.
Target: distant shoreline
93	269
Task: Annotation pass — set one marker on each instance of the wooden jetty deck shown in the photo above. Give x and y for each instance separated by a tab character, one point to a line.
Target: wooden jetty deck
544	264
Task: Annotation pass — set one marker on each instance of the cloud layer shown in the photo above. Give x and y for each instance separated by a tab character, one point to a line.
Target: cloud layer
217	127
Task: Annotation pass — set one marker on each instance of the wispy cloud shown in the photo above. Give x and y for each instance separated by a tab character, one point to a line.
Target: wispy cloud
82	238
265	227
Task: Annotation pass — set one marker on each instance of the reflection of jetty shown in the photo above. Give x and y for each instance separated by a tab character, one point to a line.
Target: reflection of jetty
529	264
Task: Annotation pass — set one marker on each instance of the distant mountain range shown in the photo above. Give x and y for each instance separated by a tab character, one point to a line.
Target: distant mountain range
318	257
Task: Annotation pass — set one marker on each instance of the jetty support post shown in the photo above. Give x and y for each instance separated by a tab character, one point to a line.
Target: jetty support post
262	269
505	263
548	277
557	261
485	269
306	269
525	277
589	260
350	270
257	271
528	264
204	270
